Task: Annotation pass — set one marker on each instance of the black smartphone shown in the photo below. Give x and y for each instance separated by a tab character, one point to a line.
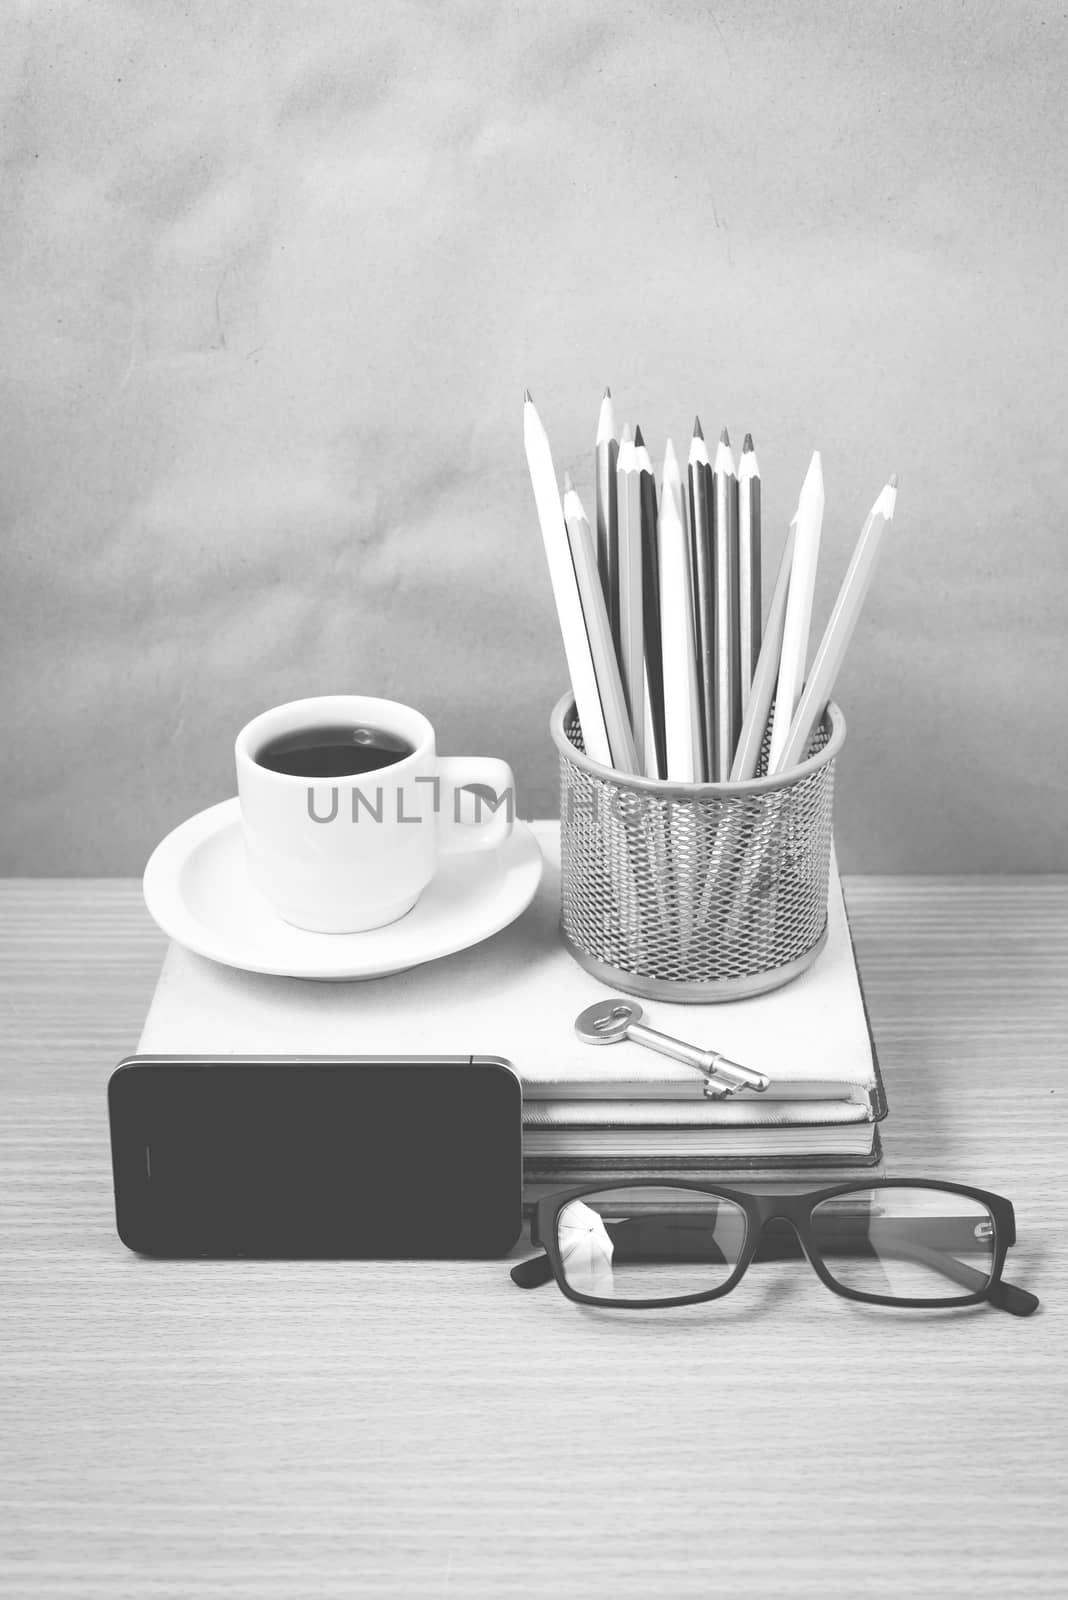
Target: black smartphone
412	1157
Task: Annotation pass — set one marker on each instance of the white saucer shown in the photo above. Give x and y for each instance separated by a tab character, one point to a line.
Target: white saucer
197	889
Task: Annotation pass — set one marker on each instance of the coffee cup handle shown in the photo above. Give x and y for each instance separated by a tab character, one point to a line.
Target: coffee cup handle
468	822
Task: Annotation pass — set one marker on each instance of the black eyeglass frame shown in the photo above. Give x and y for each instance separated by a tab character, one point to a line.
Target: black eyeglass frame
761	1206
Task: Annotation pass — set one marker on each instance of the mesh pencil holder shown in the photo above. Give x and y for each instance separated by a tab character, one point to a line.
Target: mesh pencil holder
694	891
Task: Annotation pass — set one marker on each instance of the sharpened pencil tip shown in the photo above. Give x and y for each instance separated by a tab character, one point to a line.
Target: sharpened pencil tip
725	438
747	444
568	485
893	480
698	432
528	398
627	436
638	440
607	393
606	422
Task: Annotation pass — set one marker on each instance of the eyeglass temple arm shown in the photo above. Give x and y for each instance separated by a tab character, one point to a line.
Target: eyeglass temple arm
1006	1296
533	1273
1009	1297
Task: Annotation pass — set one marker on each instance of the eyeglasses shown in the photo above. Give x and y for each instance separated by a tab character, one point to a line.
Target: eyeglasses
901	1242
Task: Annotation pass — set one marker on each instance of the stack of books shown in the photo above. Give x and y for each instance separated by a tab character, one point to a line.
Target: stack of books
590	1113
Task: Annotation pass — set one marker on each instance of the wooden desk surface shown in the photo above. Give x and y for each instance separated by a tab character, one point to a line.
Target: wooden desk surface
334	1429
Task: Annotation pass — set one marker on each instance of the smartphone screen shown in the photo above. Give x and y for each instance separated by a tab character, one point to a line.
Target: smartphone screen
342	1158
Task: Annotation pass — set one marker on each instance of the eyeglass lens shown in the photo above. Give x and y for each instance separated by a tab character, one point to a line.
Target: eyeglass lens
649	1244
906	1244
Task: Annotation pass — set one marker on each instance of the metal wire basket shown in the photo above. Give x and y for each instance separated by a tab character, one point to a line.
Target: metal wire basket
695	891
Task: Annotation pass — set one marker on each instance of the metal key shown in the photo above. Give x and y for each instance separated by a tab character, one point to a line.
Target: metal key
609	1021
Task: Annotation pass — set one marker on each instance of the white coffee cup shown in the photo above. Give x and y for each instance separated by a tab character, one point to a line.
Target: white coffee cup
344	854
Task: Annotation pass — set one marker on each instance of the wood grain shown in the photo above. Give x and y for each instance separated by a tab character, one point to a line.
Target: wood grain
335	1429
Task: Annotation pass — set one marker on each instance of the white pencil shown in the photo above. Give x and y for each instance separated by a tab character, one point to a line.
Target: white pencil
762	689
819	685
798	609
631	635
606	452
565	587
628	516
599	633
682	726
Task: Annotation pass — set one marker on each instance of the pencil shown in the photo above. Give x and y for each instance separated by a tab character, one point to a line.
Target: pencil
755	845
655	753
699	473
728	714
798	609
749	559
606	453
628	536
819	685
602	650
565	588
631	638
762	689
681	707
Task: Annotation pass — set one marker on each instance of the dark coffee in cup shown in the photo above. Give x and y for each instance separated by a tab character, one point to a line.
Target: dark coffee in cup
333	752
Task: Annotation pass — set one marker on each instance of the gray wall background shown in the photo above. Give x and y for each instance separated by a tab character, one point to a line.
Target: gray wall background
275	275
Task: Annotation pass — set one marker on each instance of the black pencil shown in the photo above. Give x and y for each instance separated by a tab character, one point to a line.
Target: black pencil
699	473
725	603
656	757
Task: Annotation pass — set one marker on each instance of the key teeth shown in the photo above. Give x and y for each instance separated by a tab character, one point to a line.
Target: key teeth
718	1090
743	1077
